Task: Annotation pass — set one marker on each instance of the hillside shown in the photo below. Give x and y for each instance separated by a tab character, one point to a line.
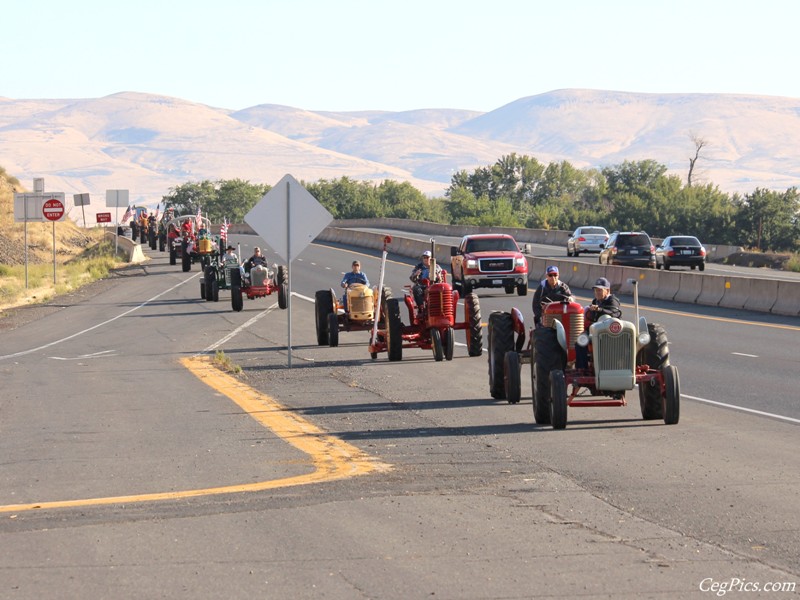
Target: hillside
149	143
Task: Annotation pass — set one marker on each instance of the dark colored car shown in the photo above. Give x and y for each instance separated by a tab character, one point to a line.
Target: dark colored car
629	249
681	251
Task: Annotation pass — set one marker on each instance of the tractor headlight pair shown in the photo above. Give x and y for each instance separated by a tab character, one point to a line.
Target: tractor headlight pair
644	338
583	339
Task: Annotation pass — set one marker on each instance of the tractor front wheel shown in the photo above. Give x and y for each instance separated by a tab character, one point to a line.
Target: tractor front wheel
558	399
449	343
501	340
513	384
237	302
436	345
333	330
672	395
283	295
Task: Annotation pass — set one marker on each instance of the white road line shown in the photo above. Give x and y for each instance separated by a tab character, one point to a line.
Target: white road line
743	409
85	356
743	354
93	327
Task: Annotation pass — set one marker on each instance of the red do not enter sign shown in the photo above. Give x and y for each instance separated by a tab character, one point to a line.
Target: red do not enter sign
53	209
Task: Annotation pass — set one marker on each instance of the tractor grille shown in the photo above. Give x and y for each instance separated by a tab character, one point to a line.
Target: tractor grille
496	265
360	302
615	351
572	322
440	302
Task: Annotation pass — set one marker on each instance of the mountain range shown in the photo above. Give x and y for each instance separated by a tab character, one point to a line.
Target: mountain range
149	143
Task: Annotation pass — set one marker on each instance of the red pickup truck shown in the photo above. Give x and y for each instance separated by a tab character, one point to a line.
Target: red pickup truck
489	260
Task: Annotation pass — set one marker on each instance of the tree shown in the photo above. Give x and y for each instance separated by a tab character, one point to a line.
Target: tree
699	144
768	220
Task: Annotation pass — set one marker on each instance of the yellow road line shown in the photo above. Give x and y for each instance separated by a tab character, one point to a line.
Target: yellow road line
331	457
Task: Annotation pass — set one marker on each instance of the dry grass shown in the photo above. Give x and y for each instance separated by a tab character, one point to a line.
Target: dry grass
81	255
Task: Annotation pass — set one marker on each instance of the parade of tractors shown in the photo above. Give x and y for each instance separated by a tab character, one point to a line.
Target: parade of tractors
620	355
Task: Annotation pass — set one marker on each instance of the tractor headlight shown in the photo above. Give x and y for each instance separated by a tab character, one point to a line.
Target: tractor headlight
644	338
583	339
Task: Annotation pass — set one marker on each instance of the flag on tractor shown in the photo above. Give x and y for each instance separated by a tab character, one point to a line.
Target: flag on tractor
198	220
128	214
223	229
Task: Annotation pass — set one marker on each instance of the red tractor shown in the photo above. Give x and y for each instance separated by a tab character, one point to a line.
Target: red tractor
431	325
259	283
622	355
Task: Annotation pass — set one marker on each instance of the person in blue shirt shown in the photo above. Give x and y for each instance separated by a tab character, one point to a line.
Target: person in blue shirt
353	277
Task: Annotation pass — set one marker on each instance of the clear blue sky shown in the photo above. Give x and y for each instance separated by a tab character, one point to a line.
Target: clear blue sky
360	54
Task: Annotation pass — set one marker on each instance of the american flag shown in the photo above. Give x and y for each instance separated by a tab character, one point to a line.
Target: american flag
223	229
128	214
198	220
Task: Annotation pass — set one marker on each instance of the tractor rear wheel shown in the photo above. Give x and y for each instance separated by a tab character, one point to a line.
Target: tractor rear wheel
394	329
513	383
449	343
237	302
323	306
283	275
558	399
472	306
672	395
333	330
656	356
501	340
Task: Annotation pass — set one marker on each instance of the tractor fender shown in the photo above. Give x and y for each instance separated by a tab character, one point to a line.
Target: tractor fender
561	335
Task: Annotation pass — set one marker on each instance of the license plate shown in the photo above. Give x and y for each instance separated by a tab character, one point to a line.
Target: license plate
497	282
633	252
686	252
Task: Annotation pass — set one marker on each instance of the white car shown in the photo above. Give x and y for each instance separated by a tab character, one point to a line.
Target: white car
588	238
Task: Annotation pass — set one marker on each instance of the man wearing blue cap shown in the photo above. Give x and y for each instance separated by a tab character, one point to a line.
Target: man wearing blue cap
604	303
551	289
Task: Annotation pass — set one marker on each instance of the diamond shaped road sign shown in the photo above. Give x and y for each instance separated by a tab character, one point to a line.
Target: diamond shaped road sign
288	217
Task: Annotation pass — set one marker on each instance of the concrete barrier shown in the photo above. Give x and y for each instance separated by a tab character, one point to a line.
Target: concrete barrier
689	288
712	290
737	290
788	299
132	250
762	295
579	275
668	285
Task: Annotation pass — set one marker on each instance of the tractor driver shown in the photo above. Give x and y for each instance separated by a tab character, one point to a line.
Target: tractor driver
422	272
604	303
353	277
256	260
551	289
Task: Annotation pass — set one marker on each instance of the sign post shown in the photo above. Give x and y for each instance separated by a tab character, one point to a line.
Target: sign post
273	219
81	200
117	198
30	207
53	210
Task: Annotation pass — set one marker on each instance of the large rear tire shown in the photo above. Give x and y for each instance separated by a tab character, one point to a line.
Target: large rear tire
513	381
323	306
672	395
394	330
558	399
656	356
501	340
472	306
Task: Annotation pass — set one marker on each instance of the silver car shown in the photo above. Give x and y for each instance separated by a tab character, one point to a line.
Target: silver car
586	239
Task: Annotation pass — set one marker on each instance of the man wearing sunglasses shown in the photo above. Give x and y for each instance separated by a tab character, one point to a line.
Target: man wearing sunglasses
551	289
